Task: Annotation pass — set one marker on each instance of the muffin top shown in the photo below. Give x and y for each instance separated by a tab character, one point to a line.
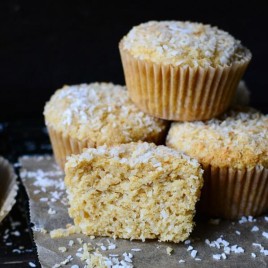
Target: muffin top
101	112
239	139
183	44
138	154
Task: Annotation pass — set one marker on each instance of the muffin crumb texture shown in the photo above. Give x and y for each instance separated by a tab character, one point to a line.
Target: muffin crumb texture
133	191
183	44
238	139
101	113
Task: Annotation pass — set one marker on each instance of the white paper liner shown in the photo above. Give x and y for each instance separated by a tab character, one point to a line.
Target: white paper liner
8	188
181	93
231	193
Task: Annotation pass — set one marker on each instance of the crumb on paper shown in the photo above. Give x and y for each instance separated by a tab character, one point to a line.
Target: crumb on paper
51	211
64	262
62	249
71	229
169	250
39	229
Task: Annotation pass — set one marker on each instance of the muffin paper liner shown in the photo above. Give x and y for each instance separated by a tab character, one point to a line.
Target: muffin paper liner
64	145
181	93
8	188
231	193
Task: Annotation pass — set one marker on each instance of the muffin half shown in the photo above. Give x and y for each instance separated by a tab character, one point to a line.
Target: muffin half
133	191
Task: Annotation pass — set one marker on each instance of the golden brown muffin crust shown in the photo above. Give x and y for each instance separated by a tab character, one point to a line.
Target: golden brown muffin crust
239	139
101	113
183	44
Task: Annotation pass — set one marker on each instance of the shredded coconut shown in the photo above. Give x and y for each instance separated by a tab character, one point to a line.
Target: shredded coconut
238	139
184	44
265	234
255	229
103	112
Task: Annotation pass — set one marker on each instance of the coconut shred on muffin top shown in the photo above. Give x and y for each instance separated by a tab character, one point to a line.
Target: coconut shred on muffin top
183	44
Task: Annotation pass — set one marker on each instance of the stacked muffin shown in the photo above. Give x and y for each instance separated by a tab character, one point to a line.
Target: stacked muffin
187	71
179	71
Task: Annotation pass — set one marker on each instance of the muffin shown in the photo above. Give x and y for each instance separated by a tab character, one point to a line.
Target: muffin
182	71
133	191
91	115
234	153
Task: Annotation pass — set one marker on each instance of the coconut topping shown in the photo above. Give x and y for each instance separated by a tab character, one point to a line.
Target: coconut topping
238	139
101	111
183	43
134	154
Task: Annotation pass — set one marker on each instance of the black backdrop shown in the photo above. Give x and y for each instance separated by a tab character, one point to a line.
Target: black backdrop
45	44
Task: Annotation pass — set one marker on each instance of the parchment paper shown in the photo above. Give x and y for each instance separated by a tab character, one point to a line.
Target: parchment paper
44	184
8	187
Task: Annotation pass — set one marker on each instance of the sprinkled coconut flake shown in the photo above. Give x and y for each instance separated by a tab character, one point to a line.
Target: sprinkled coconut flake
265	234
183	43
91	109
193	253
255	229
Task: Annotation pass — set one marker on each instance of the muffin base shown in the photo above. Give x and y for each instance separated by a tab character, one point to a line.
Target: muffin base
64	145
181	93
231	193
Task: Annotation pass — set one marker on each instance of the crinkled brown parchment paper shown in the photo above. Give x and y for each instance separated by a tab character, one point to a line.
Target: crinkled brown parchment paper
48	209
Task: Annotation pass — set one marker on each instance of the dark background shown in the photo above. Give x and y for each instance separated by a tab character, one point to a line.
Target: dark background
45	44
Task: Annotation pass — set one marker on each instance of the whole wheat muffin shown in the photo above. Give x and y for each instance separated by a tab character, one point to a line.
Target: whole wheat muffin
90	115
182	70
133	191
234	153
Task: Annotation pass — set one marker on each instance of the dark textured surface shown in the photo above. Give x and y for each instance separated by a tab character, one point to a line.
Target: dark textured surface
16	139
